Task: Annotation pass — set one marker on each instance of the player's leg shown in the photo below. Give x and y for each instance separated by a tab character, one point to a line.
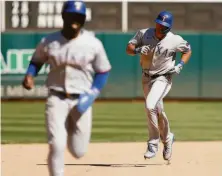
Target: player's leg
146	83
79	131
56	114
167	137
146	89
158	89
163	122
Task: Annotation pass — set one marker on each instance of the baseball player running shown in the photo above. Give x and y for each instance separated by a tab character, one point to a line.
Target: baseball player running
158	47
79	69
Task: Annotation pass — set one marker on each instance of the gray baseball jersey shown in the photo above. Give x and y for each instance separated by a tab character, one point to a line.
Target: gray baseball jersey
159	60
163	52
72	66
72	62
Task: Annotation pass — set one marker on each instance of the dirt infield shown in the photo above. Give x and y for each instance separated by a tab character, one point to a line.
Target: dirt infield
117	159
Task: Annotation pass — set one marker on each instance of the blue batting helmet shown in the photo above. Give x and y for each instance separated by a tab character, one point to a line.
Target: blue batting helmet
165	18
78	7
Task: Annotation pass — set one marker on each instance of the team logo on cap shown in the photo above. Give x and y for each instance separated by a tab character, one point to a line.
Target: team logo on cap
78	5
164	17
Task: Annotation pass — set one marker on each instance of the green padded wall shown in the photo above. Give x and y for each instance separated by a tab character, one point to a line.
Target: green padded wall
200	78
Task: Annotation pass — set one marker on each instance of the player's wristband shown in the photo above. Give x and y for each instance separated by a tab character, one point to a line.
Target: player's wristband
137	50
33	69
181	62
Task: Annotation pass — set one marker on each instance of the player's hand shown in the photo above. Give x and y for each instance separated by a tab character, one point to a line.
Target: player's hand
145	49
87	99
177	69
28	82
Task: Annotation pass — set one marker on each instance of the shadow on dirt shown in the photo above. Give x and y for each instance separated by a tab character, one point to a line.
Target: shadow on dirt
111	165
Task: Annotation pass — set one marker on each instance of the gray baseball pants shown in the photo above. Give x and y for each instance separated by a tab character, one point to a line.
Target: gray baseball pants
154	92
65	127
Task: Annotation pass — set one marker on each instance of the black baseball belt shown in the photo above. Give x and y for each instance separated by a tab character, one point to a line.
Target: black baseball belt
156	75
64	94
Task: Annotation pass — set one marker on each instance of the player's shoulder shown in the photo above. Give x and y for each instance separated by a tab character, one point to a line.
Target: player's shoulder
176	37
91	39
146	31
87	32
49	38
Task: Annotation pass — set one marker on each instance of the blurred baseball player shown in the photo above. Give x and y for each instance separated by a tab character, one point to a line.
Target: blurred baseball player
158	47
79	69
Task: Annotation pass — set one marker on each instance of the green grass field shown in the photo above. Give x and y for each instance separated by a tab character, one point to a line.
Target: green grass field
24	122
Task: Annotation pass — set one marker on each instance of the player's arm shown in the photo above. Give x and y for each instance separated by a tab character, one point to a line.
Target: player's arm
186	56
185	49
134	45
102	68
36	63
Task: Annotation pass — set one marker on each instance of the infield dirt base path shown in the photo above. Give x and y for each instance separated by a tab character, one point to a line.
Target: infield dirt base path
117	159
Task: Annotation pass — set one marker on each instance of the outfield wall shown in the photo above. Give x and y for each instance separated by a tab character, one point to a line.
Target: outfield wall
200	78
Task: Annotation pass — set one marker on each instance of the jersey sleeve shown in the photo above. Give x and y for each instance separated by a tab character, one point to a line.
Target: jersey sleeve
137	39
183	46
40	55
101	62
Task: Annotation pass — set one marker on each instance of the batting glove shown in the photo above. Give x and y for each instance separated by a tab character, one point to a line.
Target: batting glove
177	69
145	49
87	99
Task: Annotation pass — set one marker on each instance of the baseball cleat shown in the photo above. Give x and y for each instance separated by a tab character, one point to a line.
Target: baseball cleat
167	150
151	151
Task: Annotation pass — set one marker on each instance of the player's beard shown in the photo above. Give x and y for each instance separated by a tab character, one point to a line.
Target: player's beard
159	35
71	31
72	23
